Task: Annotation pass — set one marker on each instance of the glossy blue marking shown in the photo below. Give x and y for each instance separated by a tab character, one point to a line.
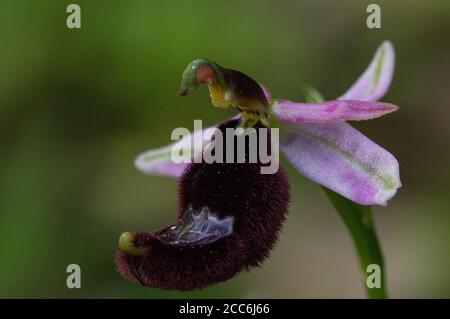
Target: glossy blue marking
198	228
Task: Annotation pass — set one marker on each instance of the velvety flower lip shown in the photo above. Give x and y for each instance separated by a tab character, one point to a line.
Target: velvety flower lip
321	145
228	220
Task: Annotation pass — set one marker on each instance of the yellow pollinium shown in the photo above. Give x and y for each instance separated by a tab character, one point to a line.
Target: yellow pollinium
218	95
251	110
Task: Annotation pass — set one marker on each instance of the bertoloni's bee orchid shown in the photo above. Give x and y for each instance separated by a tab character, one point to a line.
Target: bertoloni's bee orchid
229	214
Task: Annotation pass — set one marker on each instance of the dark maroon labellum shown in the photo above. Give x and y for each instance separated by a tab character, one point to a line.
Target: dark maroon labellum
229	219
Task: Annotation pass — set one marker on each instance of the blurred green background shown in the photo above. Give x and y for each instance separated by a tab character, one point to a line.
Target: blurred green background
77	106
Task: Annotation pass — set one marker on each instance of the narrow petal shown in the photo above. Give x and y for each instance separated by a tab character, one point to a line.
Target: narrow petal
341	158
373	84
159	161
331	111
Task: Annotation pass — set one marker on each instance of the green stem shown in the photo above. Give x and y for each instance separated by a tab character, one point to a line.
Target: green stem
358	220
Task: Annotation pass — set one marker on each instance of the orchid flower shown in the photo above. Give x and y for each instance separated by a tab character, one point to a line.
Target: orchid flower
230	215
318	142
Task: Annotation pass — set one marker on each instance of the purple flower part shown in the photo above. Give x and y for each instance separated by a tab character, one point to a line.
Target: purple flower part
373	84
331	111
164	167
229	219
339	157
159	161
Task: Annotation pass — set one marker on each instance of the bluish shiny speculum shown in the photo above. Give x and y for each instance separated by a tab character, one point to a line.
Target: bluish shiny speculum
197	228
